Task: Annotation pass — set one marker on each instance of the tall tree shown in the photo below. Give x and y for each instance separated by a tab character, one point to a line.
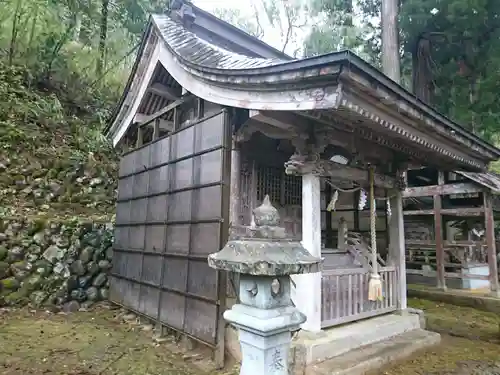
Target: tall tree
344	24
391	64
454	46
277	22
103	36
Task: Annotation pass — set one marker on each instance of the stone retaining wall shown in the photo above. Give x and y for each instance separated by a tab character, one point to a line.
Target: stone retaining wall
57	263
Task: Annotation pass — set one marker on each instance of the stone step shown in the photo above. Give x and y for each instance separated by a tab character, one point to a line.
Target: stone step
335	341
374	356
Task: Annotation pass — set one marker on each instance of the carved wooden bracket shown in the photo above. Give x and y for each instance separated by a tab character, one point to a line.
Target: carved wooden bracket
250	127
302	164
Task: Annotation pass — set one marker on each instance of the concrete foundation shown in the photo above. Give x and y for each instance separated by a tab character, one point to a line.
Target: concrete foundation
354	348
430	277
377	355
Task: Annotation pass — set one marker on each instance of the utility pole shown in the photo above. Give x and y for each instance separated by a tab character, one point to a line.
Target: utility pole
391	64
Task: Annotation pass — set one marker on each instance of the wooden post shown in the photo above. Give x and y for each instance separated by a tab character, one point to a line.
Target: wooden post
306	293
438	235
156	129
139	142
397	254
489	225
342	234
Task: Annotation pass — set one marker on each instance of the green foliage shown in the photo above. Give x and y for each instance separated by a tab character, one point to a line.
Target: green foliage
30	118
343	24
464	58
58	44
279	23
235	17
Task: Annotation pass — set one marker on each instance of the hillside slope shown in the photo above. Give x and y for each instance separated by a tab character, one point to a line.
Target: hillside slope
51	163
57	199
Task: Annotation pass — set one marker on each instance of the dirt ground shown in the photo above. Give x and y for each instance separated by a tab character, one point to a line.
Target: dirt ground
102	342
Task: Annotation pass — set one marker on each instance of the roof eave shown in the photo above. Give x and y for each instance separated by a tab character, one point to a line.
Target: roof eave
116	111
344	58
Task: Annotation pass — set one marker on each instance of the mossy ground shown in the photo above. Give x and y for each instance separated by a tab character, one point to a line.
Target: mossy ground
87	343
97	342
470	341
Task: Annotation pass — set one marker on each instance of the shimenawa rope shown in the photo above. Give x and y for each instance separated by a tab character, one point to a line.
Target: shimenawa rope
375	284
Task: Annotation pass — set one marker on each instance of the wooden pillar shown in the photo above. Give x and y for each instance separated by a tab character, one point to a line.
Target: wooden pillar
306	289
234	210
397	254
438	235
356	211
489	225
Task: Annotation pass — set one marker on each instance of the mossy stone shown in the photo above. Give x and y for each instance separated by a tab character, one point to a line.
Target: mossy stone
72	283
4	270
16	298
104	292
84	281
93	268
92	293
78	295
15	254
38	298
100	280
3	253
86	254
33	282
78	268
104	264
10	283
43	267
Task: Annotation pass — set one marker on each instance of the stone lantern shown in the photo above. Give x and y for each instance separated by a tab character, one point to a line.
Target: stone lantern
265	316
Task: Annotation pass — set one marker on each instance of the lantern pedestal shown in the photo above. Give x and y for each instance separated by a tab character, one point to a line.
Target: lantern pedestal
265	316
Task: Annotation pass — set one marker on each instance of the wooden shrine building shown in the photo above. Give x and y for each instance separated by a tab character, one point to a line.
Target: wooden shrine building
212	120
450	230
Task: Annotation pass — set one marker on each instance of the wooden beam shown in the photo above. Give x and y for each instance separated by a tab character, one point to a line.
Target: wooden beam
472	211
427	191
282	121
164	91
164	110
489	225
164	124
328	168
359	175
447	243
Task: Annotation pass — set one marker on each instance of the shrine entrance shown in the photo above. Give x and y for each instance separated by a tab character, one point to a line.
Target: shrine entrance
345	228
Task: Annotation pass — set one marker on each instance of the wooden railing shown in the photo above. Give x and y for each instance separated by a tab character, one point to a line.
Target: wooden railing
457	253
345	295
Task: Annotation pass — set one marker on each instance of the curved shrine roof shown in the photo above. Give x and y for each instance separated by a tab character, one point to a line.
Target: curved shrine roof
339	81
197	51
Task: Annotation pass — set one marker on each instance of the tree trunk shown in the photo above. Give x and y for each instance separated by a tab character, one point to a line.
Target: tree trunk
422	83
15	30
391	64
103	36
